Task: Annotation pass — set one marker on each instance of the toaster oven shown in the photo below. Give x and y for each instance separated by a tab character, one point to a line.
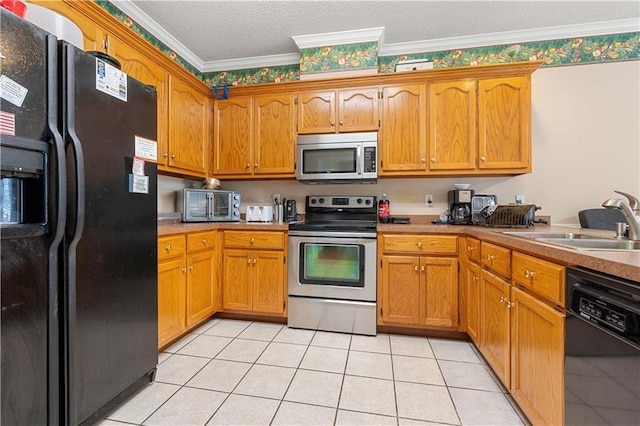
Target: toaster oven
208	205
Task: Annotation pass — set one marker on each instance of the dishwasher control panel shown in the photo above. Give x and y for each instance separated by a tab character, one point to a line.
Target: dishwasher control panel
592	310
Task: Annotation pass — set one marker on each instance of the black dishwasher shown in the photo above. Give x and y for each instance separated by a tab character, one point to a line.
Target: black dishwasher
602	349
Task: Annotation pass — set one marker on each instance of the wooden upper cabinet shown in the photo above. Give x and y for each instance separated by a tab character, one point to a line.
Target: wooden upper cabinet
316	112
274	134
353	110
232	136
452	125
402	141
188	127
147	71
358	110
504	123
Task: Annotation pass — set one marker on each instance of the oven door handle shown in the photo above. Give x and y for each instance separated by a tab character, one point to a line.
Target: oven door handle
329	234
359	160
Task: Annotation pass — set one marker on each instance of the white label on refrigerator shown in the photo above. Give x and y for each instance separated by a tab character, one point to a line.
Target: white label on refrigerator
146	148
111	80
12	91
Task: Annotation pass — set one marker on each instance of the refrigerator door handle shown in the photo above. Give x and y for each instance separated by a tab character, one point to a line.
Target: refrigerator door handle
78	159
59	210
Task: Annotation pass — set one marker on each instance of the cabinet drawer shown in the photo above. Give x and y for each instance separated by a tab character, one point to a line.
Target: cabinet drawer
473	249
544	278
252	239
496	258
169	247
201	241
423	244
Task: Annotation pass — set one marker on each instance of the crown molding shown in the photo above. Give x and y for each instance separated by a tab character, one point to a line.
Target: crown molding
375	34
141	18
337	38
251	62
509	37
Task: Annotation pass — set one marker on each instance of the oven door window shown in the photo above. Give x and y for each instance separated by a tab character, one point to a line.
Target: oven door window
221	205
332	264
329	160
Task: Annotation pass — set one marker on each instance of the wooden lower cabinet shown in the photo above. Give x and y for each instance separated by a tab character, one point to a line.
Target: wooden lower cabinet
494	320
537	358
254	280
418	290
187	282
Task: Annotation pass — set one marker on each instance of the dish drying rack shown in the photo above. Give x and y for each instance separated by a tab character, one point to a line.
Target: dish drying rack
509	215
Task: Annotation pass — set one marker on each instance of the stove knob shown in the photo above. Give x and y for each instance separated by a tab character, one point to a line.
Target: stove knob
368	202
313	201
359	201
321	200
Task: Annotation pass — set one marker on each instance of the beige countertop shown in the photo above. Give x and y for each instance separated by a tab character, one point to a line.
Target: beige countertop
624	264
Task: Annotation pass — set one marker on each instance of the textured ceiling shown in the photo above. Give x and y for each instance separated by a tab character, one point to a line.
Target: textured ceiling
217	30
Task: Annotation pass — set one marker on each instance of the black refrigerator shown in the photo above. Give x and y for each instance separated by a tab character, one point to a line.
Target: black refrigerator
78	215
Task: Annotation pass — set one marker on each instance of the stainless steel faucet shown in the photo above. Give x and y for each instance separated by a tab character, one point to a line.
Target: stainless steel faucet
630	210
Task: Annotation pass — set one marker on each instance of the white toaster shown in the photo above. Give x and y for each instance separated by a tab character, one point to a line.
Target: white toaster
259	214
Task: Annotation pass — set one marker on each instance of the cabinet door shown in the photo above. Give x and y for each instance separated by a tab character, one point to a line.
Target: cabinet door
403	140
316	112
473	302
504	116
537	358
201	291
358	110
232	139
171	300
144	69
401	289
268	281
494	323
274	135
236	281
188	127
452	126
440	300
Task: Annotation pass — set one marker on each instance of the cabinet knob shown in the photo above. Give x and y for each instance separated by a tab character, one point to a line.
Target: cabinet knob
490	257
184	270
422	268
252	240
248	260
470	248
255	260
474	278
341	122
165	155
167	247
415	267
333	123
433	159
510	304
248	165
255	165
191	268
483	158
528	274
204	241
419	244
502	299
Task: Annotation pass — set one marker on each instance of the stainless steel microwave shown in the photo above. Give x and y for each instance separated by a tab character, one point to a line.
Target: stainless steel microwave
337	158
208	205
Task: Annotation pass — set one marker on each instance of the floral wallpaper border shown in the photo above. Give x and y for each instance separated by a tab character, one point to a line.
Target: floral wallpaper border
561	52
343	57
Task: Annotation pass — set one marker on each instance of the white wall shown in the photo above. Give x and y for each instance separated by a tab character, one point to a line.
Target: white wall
586	143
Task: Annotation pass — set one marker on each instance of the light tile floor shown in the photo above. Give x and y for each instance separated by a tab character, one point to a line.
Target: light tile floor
230	372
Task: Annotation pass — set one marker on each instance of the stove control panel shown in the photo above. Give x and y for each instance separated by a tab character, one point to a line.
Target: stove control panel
333	201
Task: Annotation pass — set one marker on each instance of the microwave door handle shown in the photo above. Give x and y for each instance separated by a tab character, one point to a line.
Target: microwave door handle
359	159
209	206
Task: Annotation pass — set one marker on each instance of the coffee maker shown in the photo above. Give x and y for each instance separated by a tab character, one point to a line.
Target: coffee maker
460	206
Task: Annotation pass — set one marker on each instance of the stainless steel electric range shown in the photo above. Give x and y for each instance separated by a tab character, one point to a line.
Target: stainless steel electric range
332	272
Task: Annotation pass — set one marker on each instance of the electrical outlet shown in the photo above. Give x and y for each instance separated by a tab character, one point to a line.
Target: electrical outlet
428	200
520	199
276	197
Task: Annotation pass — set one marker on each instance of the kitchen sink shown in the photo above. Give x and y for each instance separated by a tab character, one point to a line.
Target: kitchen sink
595	244
577	241
551	235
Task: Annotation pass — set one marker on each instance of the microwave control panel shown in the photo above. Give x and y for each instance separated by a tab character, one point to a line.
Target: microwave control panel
369	159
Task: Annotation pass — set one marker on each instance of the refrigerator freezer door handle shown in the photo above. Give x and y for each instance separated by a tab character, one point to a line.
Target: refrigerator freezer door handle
57	229
76	146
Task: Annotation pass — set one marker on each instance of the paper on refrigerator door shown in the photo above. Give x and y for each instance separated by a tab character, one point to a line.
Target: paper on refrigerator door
111	80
